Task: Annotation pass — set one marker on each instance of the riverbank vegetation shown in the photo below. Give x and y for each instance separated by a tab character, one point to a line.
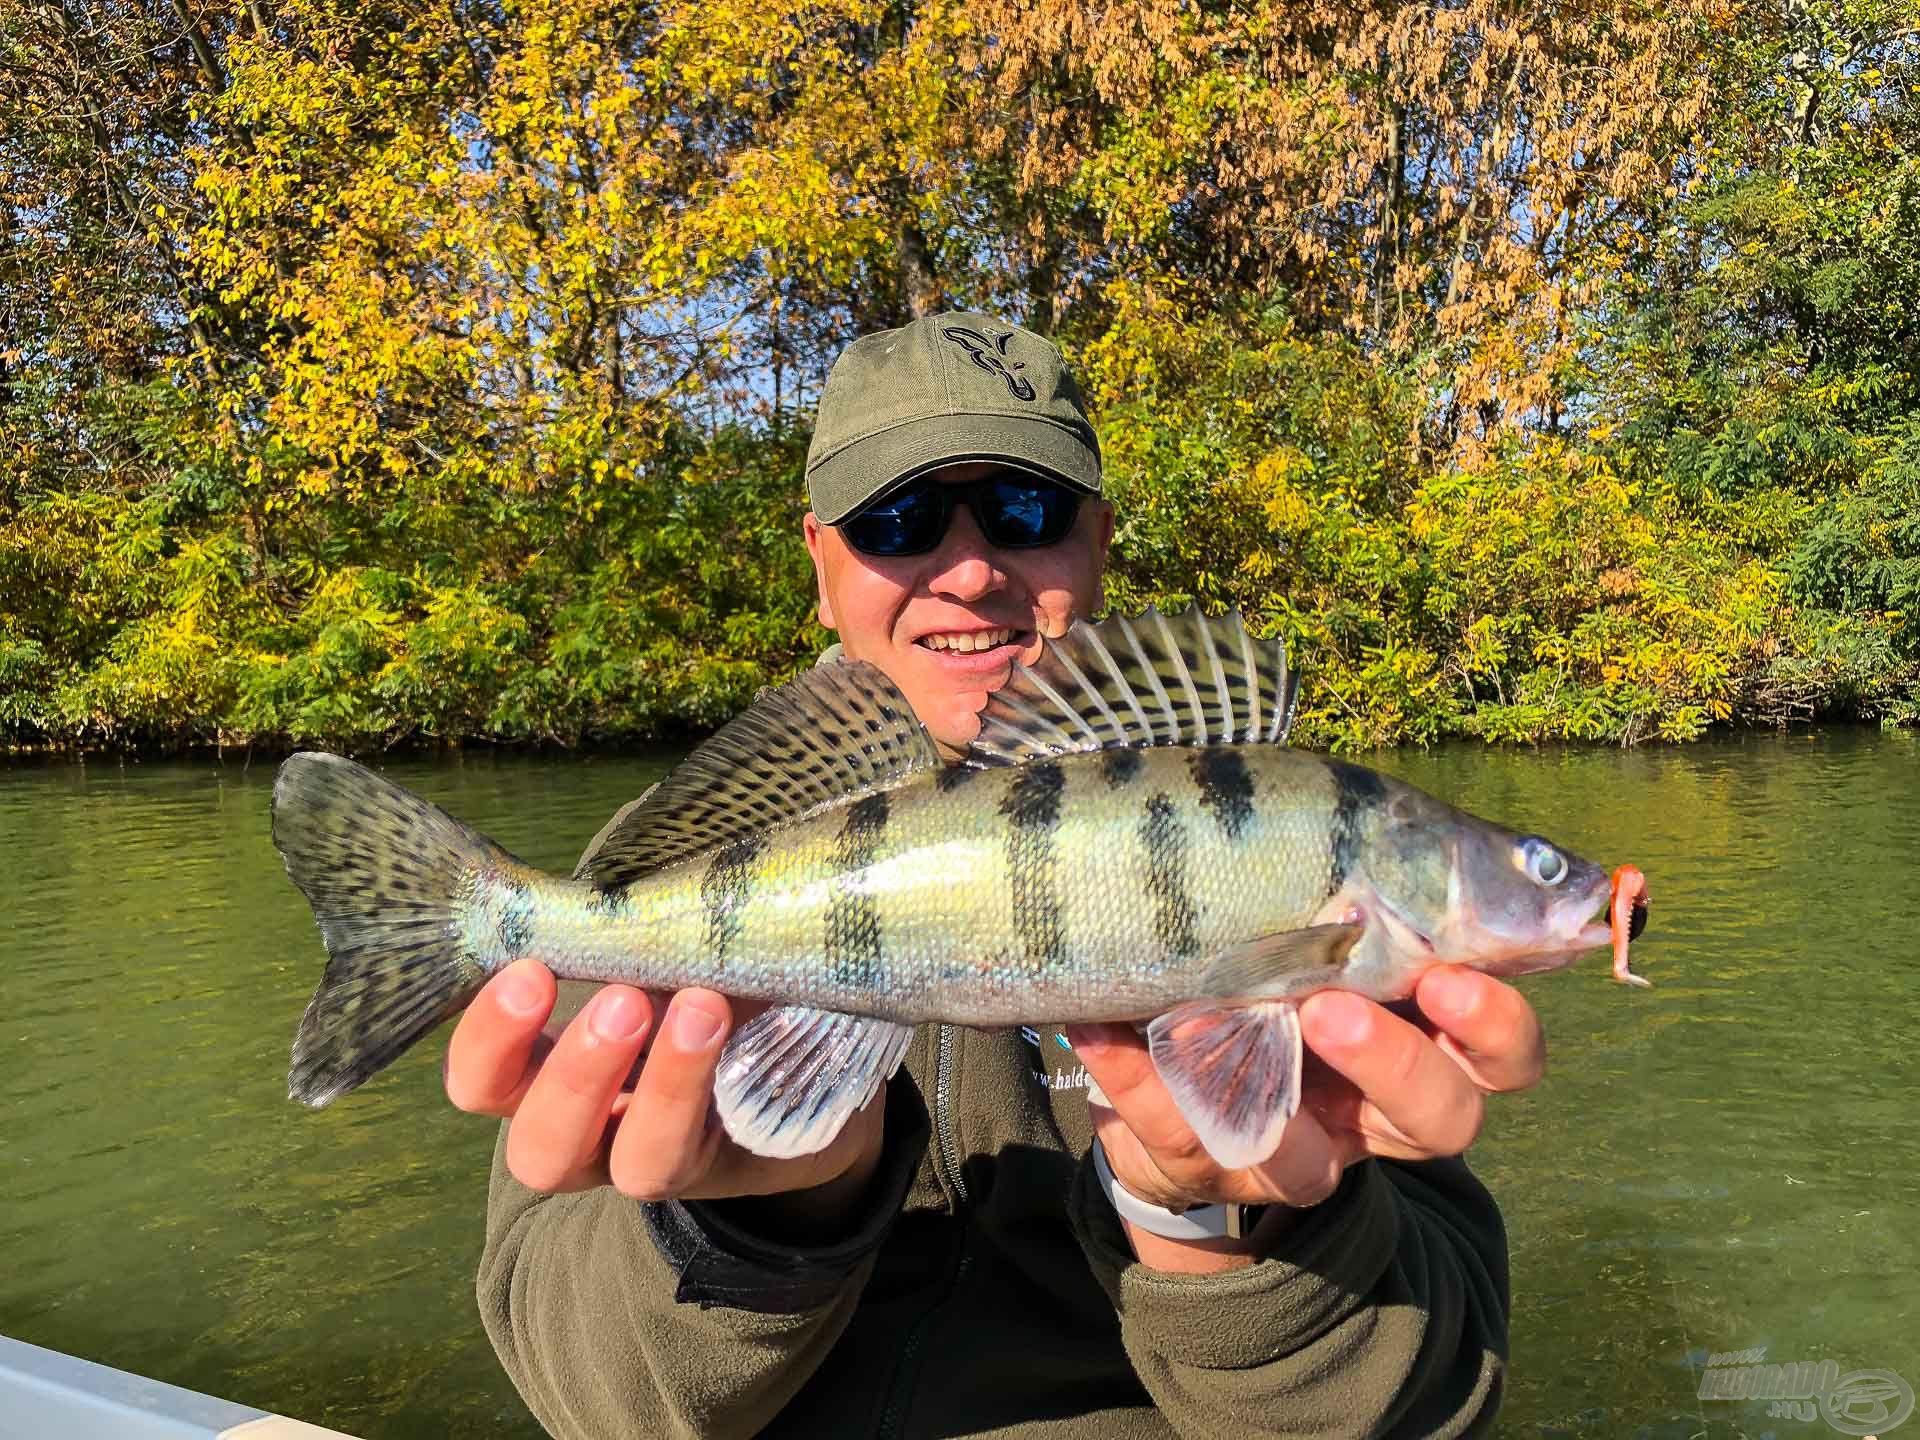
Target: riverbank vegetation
374	374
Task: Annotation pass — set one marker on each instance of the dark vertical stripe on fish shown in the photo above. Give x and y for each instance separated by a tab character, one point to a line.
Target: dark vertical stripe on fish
1165	841
513	927
1354	790
952	777
611	901
1119	765
853	917
1226	789
1032	808
725	888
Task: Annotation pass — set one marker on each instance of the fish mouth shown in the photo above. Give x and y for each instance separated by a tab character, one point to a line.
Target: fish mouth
1571	929
1596	927
1621	920
1597	931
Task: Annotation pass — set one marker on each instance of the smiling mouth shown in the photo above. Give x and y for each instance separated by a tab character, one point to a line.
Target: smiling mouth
971	642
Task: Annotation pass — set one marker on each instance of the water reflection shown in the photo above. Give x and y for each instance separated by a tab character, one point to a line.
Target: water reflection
1720	1163
1716	1164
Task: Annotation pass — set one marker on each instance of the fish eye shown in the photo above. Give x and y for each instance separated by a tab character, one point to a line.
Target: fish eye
1544	864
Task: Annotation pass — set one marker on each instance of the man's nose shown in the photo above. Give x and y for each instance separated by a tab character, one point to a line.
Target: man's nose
965	566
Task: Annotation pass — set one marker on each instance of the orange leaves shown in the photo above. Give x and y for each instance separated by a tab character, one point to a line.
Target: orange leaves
1416	177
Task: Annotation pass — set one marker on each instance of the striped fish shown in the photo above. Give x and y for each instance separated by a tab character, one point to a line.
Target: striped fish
1128	840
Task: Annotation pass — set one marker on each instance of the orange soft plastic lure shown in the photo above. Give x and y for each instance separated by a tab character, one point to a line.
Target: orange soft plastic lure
1629	919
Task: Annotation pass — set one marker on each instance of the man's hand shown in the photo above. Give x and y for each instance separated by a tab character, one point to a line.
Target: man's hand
623	1097
1374	1084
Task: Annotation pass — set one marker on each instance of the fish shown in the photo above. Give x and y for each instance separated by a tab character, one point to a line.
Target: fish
1128	839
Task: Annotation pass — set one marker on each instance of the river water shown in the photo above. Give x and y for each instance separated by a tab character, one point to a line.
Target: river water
1722	1163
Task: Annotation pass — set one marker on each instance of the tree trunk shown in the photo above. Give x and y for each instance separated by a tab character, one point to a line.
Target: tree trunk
1386	254
1490	159
202	50
919	284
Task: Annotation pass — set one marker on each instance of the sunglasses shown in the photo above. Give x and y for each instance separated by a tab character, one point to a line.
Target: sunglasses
1015	511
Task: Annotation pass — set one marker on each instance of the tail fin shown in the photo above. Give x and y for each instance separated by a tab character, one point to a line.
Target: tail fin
385	872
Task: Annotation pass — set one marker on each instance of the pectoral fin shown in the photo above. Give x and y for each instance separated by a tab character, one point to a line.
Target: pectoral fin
791	1077
1234	1071
1271	963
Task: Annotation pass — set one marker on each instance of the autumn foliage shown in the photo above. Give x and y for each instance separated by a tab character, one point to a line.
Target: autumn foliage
373	373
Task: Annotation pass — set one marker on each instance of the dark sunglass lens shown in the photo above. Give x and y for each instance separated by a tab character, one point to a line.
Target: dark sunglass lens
1021	512
904	523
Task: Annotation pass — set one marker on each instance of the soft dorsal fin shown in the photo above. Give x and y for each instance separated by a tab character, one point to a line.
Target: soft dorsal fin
1148	679
837	732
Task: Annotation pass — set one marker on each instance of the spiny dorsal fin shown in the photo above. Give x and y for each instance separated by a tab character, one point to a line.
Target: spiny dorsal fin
836	733
1148	679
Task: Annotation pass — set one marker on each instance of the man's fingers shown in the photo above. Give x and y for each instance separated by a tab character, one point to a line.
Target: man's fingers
490	1060
1486	1025
734	1171
664	1143
557	1134
1417	1089
1116	1057
1306	1166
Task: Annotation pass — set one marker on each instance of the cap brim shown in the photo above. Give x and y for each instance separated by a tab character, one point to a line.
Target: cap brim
863	471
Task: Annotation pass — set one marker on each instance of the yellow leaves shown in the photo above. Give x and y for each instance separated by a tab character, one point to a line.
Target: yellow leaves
1484	649
1286	509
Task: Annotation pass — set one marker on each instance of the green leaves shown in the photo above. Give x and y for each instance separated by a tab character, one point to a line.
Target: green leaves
1537	374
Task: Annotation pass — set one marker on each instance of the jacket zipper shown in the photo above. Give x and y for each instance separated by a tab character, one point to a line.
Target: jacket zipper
948	1162
943	1113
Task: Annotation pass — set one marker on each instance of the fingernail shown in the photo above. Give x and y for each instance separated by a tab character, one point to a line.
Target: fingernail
1096	1033
518	993
694	1028
618	1016
1453	991
1342	1019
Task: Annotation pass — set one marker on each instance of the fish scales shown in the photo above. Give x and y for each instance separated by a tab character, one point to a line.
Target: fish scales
1070	888
1133	843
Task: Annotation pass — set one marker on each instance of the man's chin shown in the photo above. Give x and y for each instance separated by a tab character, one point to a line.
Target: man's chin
951	698
957	721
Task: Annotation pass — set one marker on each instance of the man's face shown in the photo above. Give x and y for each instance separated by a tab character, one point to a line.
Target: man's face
911	614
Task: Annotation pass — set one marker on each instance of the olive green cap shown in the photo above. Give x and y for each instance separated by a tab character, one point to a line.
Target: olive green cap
945	389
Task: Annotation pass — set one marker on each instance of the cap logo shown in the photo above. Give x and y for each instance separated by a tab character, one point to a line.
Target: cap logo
987	351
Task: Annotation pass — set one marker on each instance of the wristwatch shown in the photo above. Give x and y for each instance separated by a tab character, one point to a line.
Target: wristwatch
1197	1222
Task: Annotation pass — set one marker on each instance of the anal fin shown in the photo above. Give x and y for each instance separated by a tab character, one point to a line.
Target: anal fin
790	1078
1233	1071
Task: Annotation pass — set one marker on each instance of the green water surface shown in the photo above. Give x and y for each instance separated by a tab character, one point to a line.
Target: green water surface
1721	1163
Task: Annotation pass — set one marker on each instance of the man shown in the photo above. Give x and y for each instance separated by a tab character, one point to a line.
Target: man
956	1261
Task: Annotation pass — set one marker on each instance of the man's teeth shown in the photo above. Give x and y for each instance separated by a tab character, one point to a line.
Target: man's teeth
968	642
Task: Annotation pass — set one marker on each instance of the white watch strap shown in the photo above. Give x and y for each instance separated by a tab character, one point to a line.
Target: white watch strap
1201	1222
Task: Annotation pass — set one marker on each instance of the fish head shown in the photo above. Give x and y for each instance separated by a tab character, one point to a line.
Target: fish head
1441	886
